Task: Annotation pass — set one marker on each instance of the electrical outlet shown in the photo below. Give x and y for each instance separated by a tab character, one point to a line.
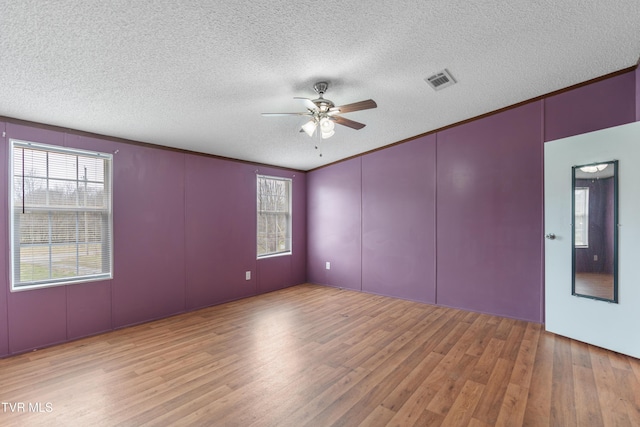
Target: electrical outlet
327	265
247	275
595	257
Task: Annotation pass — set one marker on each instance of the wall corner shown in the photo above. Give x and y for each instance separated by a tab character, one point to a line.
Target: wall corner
637	75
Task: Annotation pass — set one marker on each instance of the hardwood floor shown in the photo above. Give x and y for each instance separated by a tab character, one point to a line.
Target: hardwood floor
319	356
595	284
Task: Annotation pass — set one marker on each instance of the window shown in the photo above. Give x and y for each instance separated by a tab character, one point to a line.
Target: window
61	218
274	215
581	201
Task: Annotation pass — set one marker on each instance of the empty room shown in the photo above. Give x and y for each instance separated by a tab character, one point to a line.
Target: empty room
319	213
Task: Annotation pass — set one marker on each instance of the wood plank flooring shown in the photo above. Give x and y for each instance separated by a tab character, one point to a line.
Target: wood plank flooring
318	356
598	285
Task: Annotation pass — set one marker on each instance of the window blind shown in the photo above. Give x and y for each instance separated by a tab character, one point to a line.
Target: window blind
581	217
274	215
61	215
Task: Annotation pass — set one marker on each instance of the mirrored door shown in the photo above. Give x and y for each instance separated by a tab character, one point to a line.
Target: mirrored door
595	231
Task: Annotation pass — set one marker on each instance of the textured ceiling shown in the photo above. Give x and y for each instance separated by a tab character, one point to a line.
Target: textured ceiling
197	74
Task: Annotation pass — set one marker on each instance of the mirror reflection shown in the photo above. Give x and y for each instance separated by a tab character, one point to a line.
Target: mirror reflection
595	194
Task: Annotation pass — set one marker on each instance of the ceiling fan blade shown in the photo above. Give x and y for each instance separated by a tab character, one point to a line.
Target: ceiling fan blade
356	106
306	113
348	123
307	103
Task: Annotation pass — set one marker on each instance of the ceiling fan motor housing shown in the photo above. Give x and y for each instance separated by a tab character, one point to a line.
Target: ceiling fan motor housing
322	104
321	88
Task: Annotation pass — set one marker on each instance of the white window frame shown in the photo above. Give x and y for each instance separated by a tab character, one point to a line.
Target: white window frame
585	224
107	213
287	250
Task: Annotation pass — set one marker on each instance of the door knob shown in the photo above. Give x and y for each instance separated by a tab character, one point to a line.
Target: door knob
550	236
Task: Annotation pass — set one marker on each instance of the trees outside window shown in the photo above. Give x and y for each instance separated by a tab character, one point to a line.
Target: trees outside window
61	217
274	215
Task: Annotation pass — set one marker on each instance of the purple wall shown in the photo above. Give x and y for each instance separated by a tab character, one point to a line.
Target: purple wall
637	94
483	207
399	220
216	192
609	228
600	105
334	222
4	255
219	192
184	235
149	276
487	195
490	214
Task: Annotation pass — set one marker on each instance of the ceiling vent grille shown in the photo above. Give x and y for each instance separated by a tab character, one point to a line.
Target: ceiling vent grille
440	80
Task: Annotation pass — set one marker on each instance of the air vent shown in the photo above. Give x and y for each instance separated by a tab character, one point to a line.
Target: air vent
440	80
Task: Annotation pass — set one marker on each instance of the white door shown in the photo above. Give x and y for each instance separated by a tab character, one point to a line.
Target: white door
609	325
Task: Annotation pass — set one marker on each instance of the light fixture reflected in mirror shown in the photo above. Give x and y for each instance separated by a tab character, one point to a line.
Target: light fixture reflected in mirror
594	168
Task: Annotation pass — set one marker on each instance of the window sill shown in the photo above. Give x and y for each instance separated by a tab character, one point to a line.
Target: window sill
279	254
100	278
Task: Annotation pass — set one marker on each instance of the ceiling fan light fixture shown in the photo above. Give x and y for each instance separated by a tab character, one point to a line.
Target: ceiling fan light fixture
329	134
323	114
326	124
310	127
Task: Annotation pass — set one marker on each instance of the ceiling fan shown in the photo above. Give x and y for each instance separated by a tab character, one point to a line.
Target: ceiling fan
324	114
